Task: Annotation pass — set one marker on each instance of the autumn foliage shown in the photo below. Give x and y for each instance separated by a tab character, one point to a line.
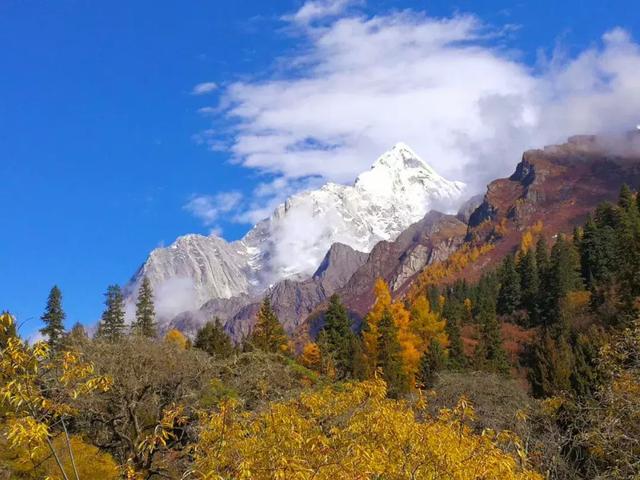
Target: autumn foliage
353	432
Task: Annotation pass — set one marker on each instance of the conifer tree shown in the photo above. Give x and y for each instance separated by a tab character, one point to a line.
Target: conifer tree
453	312
628	256
529	284
431	362
490	354
337	328
564	277
390	357
212	339
53	318
268	334
145	322
551	365
358	361
509	297
112	326
76	336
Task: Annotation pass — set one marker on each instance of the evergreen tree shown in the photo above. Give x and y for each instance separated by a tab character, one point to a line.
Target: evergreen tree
337	328
390	357
268	334
551	365
359	369
112	326
563	277
76	336
53	318
529	284
214	340
145	323
431	362
490	354
584	378
453	312
628	256
625	199
509	297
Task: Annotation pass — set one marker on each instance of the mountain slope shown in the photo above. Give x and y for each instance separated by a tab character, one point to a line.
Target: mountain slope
554	188
397	191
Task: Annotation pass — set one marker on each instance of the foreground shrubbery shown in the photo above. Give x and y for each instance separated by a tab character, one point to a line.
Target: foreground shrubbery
351	431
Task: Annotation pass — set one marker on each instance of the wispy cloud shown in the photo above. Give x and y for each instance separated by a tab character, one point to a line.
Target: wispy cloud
318	9
204	88
208	208
449	87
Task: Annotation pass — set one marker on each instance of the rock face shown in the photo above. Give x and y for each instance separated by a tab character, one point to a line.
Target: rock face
292	300
431	239
556	186
397	191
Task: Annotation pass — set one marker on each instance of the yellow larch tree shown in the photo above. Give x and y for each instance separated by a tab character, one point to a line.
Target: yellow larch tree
402	319
427	325
311	356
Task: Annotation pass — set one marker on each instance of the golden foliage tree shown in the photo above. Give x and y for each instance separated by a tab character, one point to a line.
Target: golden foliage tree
177	338
38	389
427	325
89	462
311	356
352	432
402	320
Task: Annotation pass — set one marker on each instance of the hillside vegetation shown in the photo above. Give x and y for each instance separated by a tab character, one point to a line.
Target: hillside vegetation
532	371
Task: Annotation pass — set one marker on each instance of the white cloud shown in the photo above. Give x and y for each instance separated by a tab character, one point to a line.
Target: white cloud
446	86
208	208
317	9
204	88
268	195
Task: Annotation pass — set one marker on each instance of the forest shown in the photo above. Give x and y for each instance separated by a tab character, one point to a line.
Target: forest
533	371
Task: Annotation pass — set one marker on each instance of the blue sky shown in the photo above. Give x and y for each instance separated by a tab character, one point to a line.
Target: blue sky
106	153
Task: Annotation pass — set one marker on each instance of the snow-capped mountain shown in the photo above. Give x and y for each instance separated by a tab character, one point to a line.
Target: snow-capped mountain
398	190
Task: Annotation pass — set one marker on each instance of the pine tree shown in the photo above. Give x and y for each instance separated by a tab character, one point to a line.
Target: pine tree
551	365
529	284
453	312
145	323
112	326
509	297
76	336
212	339
431	362
358	361
628	256
268	334
563	277
390	357
490	354
53	318
337	328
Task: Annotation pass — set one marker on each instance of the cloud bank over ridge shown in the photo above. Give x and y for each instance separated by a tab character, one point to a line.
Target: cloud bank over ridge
448	87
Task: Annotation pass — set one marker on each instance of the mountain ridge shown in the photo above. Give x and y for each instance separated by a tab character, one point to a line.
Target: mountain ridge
398	190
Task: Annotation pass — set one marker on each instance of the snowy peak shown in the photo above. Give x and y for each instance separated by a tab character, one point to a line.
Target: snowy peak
401	174
398	190
401	157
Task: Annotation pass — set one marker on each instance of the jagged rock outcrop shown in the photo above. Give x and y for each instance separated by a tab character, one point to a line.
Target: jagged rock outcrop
431	239
555	187
292	300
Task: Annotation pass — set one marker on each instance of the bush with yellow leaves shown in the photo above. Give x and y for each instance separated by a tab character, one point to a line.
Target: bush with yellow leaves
351	432
37	389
